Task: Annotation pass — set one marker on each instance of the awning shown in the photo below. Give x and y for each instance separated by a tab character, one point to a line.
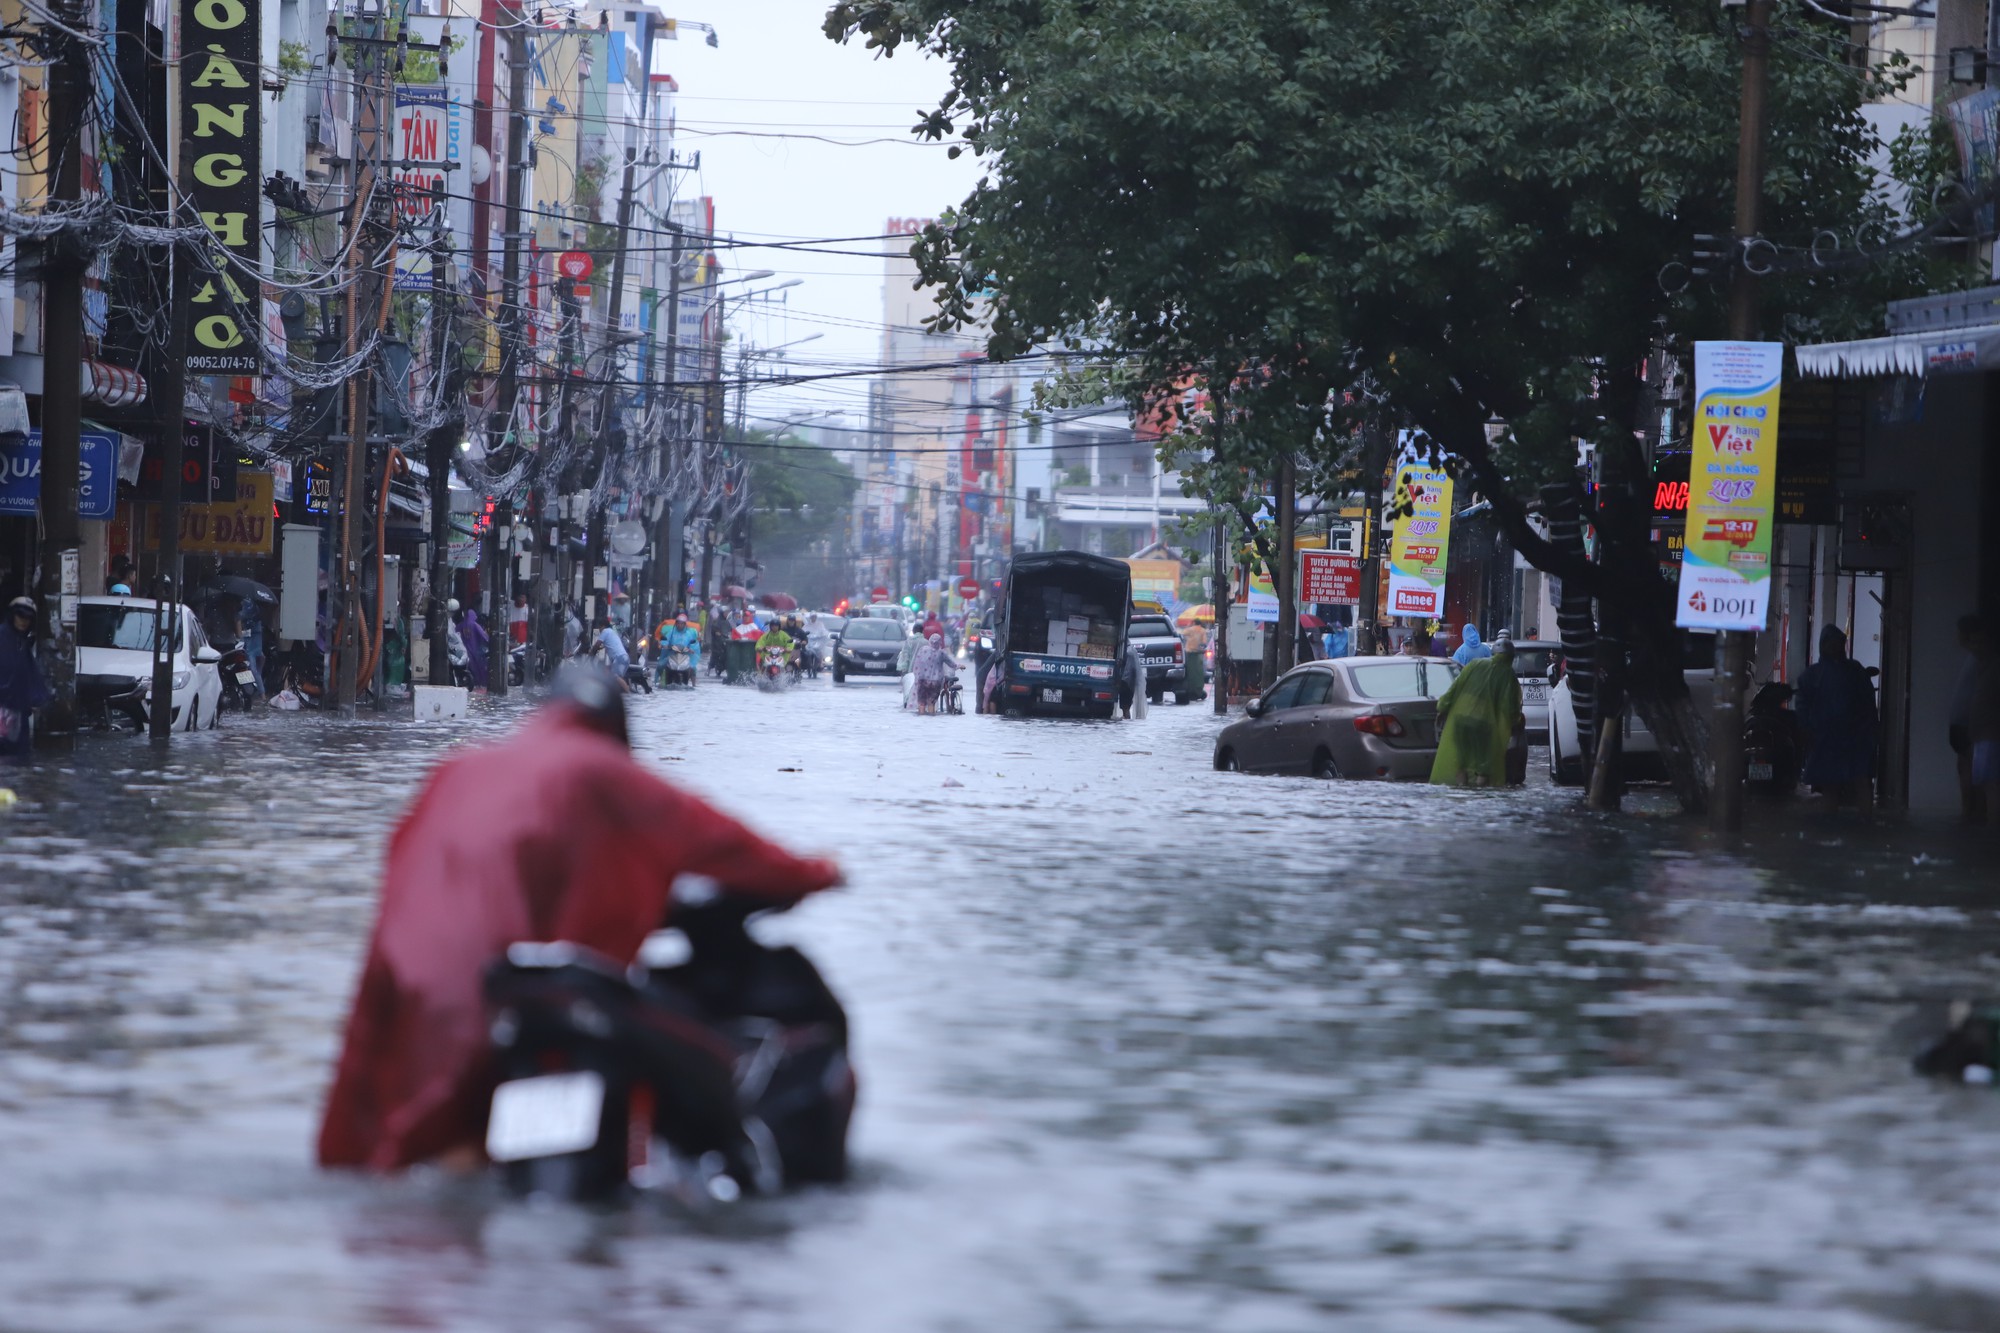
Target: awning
114	386
1929	352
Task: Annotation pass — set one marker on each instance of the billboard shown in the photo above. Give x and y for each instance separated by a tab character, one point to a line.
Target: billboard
426	137
1420	541
1725	578
221	121
97	480
1327	578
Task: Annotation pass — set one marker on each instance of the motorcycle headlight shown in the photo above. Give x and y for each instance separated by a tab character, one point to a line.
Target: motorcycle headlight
181	679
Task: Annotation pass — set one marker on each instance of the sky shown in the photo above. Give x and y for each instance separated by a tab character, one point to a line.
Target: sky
745	105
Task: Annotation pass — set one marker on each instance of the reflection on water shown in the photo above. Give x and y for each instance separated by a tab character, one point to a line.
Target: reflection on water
1143	1047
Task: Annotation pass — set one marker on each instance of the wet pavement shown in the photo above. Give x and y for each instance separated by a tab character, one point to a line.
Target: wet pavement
1143	1047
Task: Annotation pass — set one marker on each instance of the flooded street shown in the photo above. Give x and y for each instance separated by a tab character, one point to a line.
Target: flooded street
1143	1047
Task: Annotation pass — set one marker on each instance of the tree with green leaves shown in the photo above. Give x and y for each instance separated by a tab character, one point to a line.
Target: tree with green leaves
800	499
1437	214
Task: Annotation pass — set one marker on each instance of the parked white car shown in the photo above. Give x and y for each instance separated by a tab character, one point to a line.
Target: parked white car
1532	658
1641	751
114	661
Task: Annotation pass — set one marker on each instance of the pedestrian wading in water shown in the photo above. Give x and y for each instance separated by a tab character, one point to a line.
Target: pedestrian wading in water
1476	718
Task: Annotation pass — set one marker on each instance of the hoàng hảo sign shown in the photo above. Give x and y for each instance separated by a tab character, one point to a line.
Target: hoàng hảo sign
221	134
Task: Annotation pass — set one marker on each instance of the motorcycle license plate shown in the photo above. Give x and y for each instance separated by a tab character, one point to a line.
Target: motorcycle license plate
1760	772
245	678
544	1116
1051	696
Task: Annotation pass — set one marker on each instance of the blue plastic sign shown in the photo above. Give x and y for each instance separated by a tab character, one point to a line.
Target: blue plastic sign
97	475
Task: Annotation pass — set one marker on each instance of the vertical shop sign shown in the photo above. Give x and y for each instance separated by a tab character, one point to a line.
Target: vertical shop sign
221	126
1421	539
1732	486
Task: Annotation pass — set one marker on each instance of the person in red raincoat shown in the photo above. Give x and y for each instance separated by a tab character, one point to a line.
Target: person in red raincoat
554	834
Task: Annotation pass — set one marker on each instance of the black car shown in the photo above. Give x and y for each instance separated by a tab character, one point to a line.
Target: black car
867	646
1165	654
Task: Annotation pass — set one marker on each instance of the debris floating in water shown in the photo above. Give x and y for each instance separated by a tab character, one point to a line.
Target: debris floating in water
953	782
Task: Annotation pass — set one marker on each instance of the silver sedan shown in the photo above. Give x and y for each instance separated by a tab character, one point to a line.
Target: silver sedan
1352	717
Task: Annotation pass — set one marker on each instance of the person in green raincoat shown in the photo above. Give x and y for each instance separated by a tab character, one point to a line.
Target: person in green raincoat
1476	720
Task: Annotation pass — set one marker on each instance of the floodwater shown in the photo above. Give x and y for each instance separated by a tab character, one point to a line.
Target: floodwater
1143	1047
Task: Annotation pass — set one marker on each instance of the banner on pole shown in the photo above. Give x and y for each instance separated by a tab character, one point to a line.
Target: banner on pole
1732	486
221	122
1421	539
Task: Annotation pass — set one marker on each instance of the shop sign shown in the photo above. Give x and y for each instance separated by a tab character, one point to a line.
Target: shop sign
1329	579
97	474
240	527
1420	539
1725	578
576	265
319	487
221	120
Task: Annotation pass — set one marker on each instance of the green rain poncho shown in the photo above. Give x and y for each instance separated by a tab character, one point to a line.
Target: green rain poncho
1476	720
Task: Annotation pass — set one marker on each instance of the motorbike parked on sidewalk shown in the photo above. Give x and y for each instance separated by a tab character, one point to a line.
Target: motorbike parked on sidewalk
1772	746
239	683
717	1076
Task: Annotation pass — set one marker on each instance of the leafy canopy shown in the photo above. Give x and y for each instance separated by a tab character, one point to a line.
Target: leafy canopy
1459	208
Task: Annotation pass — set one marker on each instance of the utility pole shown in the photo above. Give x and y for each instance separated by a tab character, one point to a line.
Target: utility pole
670	539
437	458
1733	648
171	404
62	374
1374	462
369	66
502	425
1283	578
1224	564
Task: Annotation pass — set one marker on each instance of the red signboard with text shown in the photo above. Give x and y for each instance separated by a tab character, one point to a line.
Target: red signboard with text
1329	578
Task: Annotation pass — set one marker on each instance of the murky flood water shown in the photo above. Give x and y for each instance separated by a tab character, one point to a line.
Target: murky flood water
1144	1047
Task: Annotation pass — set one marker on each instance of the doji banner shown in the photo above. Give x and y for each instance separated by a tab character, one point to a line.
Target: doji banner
1732	486
222	128
241	528
1421	540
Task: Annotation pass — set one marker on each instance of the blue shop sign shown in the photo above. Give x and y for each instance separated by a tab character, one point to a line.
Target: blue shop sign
97	479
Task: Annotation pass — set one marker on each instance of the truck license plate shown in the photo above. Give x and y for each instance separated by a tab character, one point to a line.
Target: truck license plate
1051	696
544	1116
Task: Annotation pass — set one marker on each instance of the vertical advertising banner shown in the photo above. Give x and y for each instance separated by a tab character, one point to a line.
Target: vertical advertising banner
1732	486
221	126
1421	538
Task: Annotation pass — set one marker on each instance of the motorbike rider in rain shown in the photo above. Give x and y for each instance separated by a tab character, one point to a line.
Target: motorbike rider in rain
684	636
555	833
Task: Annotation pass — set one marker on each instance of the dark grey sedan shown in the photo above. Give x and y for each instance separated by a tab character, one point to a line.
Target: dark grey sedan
1352	717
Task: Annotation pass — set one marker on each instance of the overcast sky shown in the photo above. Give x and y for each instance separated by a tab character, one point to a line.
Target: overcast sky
775	74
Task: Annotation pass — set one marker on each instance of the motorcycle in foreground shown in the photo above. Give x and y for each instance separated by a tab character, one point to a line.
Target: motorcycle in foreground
721	1075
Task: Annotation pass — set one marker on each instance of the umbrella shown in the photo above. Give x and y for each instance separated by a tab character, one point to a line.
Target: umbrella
779	601
1204	614
735	590
239	586
1307	620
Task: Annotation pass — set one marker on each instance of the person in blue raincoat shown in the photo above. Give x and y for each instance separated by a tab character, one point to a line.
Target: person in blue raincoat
22	689
1471	650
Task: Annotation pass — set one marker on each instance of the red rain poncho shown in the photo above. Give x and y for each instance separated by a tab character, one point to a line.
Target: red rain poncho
554	834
